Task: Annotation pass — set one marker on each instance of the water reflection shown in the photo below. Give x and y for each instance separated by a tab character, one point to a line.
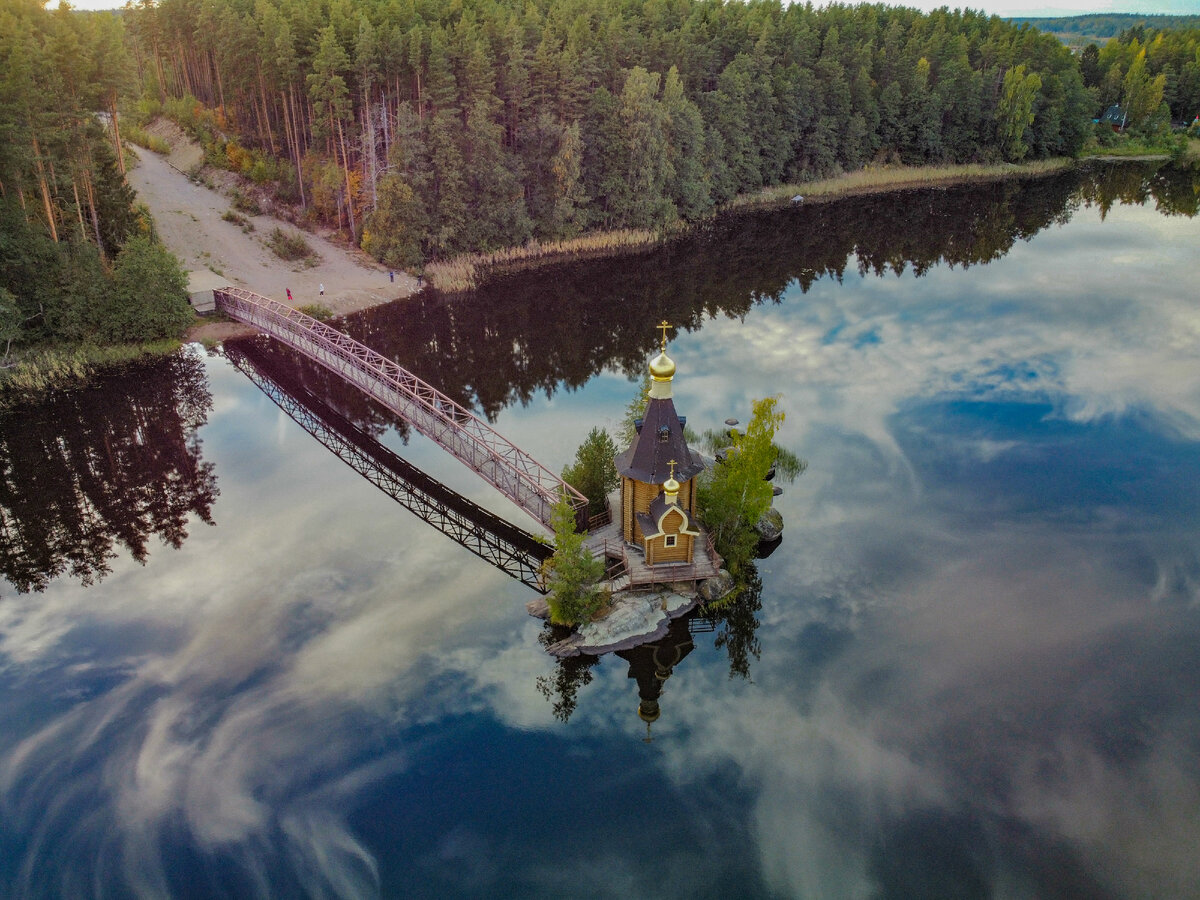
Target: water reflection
971	668
544	331
512	550
110	465
734	622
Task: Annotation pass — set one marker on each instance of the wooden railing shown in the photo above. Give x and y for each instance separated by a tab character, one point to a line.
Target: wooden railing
531	485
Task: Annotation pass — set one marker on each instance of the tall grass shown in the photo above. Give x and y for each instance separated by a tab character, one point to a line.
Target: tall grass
467	271
872	179
143	138
40	371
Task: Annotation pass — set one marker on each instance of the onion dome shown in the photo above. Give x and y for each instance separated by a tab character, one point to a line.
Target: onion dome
648	711
671	490
662	367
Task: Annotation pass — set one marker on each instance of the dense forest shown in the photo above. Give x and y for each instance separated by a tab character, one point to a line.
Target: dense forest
1143	68
425	128
77	261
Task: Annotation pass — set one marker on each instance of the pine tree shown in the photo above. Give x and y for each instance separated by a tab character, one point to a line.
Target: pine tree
593	473
572	572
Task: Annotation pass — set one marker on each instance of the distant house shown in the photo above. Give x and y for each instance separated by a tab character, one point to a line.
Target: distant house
1114	116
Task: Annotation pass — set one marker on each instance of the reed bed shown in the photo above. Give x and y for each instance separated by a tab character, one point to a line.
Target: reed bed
876	179
40	371
466	272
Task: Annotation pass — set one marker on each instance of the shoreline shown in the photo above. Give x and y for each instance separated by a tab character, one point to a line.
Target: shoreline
466	272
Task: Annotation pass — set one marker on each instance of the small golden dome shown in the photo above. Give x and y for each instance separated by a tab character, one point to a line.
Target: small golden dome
671	486
662	367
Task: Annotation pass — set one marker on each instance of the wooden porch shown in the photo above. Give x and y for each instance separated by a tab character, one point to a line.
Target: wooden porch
626	566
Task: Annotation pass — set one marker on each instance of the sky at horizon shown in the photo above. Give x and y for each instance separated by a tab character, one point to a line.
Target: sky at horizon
997	7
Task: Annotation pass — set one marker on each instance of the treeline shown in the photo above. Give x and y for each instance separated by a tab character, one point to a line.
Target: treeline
1105	25
1142	69
427	128
76	259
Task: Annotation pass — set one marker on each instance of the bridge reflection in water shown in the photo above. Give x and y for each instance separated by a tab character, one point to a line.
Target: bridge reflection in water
531	485
504	545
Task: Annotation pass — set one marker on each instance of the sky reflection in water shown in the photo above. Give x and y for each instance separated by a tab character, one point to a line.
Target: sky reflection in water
979	638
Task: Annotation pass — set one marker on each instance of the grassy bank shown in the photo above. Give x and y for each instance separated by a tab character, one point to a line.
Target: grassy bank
468	271
465	272
893	178
57	368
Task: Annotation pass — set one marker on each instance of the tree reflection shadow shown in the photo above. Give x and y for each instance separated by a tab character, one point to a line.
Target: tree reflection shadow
558	327
107	465
734	620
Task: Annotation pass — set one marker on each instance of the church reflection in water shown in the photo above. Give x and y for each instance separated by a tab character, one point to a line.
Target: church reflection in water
653	663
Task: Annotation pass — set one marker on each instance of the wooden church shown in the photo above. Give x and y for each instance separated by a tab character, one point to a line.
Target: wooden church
658	476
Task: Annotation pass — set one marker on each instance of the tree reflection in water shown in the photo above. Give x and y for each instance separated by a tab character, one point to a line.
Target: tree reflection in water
110	464
735	622
559	326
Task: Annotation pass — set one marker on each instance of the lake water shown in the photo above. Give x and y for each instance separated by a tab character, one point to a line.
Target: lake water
232	666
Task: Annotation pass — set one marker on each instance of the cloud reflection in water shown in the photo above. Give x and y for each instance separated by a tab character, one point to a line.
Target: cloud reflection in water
979	639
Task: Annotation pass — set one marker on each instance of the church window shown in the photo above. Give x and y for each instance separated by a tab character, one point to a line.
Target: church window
669	540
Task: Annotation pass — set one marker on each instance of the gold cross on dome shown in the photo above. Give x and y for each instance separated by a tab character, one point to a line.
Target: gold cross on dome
672	464
663	326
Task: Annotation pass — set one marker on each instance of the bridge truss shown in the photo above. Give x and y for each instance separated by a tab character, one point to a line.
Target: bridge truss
512	471
485	534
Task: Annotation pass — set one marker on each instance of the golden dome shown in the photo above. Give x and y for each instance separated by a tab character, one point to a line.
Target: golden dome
662	367
648	711
671	487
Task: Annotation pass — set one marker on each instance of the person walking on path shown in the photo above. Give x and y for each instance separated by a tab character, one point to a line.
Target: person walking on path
322	289
289	290
392	276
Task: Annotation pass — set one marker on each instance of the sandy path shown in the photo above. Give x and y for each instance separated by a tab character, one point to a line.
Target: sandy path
188	218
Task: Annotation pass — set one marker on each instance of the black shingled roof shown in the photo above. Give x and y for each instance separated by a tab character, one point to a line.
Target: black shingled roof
648	458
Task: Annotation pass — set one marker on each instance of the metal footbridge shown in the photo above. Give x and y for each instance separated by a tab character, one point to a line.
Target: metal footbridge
504	545
531	485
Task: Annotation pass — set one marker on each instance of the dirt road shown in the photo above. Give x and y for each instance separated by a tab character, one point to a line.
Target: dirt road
188	218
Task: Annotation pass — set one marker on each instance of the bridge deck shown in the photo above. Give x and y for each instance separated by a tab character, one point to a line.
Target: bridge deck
512	471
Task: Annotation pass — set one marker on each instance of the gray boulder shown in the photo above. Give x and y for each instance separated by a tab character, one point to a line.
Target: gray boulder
716	587
770	526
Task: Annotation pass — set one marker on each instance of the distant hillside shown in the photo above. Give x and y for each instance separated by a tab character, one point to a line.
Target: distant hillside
1077	31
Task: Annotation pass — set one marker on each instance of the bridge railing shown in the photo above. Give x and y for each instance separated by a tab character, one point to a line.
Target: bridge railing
516	474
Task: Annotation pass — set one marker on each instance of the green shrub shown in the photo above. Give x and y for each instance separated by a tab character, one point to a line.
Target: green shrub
318	311
143	138
245	203
289	247
150	295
